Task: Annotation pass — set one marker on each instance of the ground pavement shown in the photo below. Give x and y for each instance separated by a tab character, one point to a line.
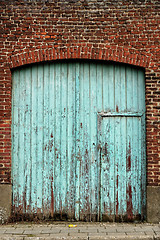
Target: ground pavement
83	231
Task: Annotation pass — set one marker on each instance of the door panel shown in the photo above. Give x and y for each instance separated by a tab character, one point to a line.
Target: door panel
57	168
121	161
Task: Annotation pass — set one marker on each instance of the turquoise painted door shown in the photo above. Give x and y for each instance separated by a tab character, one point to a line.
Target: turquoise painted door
78	141
120	155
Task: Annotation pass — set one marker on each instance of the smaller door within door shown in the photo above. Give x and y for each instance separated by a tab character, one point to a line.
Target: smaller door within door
121	161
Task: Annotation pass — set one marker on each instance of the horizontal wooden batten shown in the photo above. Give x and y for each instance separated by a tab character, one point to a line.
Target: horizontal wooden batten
110	114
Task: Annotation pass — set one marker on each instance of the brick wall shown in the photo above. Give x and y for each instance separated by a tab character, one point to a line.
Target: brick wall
123	31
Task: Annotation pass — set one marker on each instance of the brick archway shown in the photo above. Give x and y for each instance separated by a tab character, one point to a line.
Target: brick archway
88	51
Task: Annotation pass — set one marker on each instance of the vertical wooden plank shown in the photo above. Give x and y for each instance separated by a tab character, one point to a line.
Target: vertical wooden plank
111	87
105	169
135	145
85	171
99	149
15	137
105	76
69	133
117	163
122	169
135	90
129	169
81	136
139	165
60	146
141	91
139	147
117	90
99	87
24	147
52	157
71	142
57	184
77	142
107	166
93	142
118	143
21	141
123	89
143	160
104	161
40	125
34	107
112	167
82	117
63	136
99	90
135	182
86	164
47	142
141	81
27	139
122	209
143	168
129	92
133	164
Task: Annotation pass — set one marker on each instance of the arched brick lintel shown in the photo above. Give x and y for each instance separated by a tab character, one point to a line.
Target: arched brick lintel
116	54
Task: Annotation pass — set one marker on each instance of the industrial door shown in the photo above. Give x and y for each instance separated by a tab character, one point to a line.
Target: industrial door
78	141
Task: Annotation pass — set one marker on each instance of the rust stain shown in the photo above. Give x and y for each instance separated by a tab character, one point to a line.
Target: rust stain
117	110
52	198
81	125
129	162
24	194
51	135
129	203
24	200
117	204
129	158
